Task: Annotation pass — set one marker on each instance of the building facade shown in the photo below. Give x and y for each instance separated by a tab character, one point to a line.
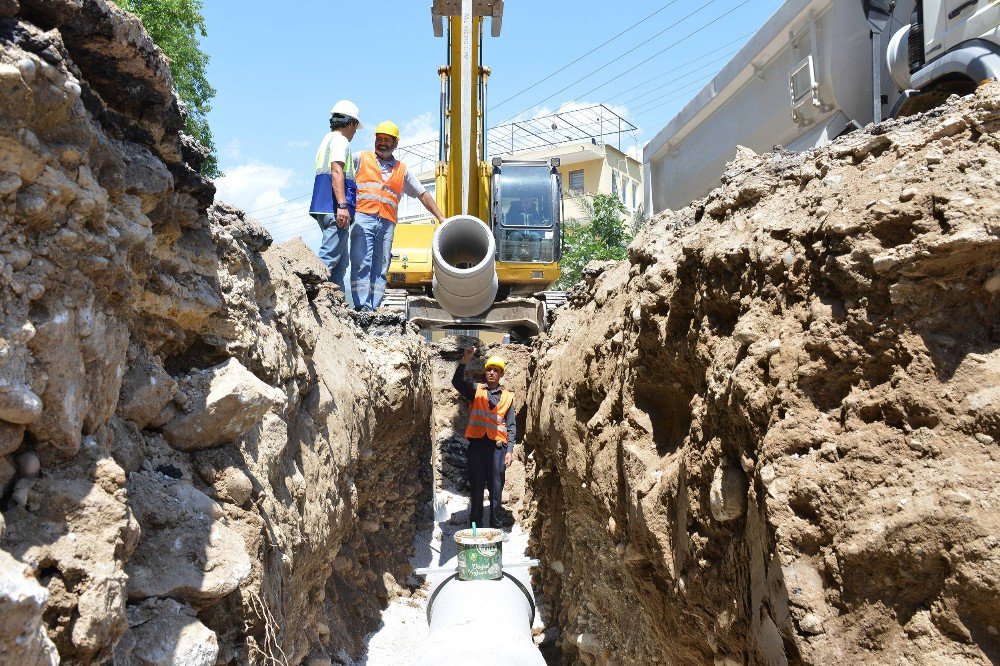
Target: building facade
586	167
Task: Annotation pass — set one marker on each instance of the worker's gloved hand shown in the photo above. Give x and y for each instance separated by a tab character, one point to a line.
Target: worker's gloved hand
508	459
343	218
467	354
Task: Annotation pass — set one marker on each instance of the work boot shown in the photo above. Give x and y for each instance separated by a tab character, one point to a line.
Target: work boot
504	518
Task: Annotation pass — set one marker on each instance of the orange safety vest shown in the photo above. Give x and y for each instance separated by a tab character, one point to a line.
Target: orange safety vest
486	422
377	196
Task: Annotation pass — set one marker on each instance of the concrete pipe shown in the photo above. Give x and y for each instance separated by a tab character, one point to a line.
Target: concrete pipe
465	277
484	622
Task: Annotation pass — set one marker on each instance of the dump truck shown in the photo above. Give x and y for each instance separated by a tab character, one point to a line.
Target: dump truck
815	70
489	263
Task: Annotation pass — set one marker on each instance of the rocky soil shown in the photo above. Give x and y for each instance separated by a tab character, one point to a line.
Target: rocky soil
773	434
203	459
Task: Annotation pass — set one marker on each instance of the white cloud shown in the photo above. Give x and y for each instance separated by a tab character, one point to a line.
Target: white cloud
419	130
261	190
253	185
635	152
233	150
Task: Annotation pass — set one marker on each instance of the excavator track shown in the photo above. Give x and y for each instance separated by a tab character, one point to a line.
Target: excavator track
395	299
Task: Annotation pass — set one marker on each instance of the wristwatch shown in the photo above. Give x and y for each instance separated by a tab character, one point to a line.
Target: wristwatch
341	205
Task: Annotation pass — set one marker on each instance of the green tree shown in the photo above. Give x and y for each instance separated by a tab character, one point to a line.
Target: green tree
175	26
602	234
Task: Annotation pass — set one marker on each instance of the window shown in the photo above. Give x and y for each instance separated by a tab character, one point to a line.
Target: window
576	180
635	195
624	190
614	183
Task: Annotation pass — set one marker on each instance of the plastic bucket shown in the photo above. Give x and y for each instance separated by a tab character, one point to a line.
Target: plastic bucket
480	557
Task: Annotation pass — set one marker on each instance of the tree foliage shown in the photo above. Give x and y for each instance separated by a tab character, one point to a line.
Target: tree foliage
175	26
603	234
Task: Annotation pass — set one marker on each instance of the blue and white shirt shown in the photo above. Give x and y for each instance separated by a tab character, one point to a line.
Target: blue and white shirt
334	148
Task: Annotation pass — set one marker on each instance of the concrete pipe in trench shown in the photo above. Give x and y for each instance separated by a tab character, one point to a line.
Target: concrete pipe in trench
481	622
465	277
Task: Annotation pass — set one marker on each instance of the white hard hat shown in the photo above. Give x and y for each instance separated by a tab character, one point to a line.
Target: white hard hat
347	108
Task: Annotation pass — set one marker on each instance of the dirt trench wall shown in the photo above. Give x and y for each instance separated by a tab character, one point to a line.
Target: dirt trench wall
202	458
772	435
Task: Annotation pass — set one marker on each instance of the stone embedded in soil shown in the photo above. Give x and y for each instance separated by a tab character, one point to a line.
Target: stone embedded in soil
146	390
19	404
70	525
163	632
227	401
23	639
728	493
11	436
185	550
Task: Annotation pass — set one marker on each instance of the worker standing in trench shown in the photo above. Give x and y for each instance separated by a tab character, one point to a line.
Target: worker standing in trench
491	432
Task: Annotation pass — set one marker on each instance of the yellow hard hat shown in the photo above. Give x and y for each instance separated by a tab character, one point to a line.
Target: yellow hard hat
389	128
496	362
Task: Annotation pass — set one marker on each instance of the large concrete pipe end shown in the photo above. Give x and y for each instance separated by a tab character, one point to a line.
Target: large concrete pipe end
465	277
480	622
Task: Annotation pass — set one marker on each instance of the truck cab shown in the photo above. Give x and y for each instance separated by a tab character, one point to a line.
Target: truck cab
950	46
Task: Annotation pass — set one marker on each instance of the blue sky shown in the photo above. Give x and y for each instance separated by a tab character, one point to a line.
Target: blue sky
279	67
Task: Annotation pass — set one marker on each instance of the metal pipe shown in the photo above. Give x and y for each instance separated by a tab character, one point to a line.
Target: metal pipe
464	258
442	143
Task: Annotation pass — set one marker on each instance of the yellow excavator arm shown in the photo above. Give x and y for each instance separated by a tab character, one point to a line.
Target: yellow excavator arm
527	246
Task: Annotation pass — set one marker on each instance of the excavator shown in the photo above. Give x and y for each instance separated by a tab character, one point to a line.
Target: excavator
487	266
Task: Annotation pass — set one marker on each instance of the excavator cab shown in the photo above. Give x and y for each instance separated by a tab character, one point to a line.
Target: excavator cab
526	216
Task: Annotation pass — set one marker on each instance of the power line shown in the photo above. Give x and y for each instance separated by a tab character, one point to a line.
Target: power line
304	209
283	217
291	222
674	69
664	50
591	51
289	235
676	97
674	80
614	60
302	227
280	203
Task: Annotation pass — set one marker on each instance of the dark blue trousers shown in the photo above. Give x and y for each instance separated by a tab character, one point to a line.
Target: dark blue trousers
485	468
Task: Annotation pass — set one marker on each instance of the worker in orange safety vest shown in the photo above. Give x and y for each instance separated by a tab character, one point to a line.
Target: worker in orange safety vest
382	181
491	432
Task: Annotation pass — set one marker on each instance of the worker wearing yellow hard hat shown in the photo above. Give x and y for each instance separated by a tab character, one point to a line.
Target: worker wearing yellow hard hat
491	432
382	181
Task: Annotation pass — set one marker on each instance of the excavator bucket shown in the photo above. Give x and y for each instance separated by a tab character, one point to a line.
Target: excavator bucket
485	8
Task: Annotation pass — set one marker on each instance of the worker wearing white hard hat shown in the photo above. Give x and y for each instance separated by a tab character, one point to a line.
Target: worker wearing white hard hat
335	190
382	182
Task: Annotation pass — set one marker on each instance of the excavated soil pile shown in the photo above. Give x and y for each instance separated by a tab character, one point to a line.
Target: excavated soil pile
202	458
771	435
